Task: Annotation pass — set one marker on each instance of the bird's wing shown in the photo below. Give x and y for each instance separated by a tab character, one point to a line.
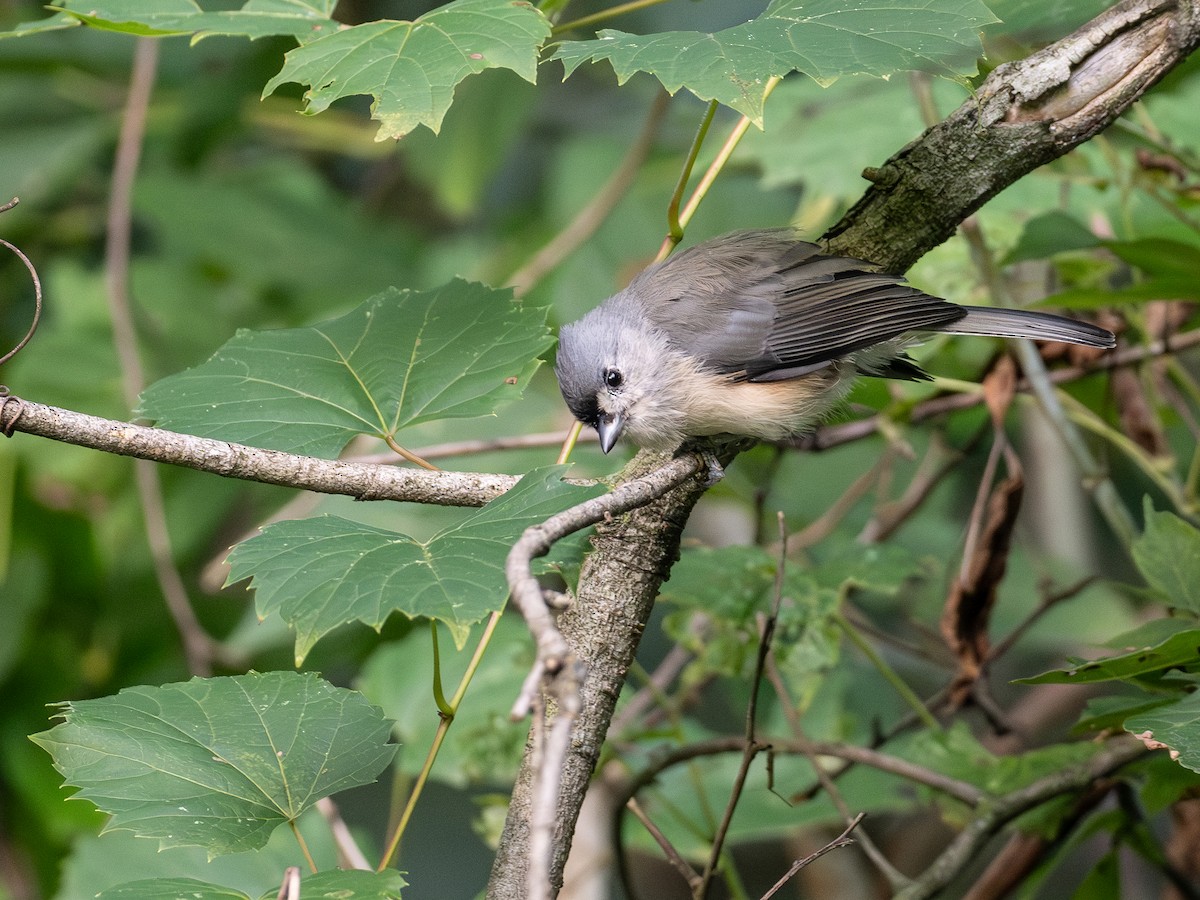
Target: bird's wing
765	306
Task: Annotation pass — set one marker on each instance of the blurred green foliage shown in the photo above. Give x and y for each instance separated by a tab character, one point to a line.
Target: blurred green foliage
248	216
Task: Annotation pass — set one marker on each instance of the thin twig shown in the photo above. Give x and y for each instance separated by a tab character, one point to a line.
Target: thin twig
350	855
326	476
199	648
752	746
555	742
37	291
690	875
593	214
819	529
842	840
1048	602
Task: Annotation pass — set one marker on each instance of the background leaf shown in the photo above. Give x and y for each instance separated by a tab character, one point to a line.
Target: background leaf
401	358
1168	556
302	19
1158	645
412	68
824	39
218	762
349	884
1176	725
321	573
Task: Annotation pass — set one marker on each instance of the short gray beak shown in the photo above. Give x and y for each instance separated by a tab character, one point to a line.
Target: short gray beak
609	428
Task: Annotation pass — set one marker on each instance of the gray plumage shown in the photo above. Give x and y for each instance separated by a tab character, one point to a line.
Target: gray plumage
758	308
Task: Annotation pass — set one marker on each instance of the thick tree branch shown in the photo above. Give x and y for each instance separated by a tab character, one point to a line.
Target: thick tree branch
362	481
1024	115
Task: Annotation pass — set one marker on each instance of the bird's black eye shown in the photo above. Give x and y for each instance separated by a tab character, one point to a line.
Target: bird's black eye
613	378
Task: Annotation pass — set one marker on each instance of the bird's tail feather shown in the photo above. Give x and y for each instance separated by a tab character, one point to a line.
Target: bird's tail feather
1024	323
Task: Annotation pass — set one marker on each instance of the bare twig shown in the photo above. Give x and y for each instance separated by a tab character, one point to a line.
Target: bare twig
1002	810
327	476
350	856
842	840
951	787
37	290
555	739
588	219
289	888
822	527
938	462
199	648
690	875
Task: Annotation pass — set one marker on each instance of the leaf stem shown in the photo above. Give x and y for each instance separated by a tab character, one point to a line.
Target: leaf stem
312	864
677	221
408	454
723	155
446	713
604	15
674	226
445	710
889	674
568	445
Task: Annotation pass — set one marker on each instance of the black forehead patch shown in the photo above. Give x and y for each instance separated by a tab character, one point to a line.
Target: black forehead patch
585	409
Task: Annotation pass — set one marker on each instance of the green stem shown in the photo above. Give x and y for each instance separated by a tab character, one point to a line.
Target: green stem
312	864
604	15
723	155
674	227
446	713
445	710
889	674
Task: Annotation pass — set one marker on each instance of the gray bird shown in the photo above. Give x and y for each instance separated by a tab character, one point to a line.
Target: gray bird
757	334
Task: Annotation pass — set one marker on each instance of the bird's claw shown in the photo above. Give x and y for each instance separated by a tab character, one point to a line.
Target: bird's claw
716	471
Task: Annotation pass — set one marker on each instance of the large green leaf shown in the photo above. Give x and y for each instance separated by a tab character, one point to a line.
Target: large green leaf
303	19
400	358
1176	725
824	39
218	762
344	885
1168	555
412	68
321	573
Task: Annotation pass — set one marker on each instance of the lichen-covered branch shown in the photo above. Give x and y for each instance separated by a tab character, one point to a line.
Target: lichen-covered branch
1025	114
